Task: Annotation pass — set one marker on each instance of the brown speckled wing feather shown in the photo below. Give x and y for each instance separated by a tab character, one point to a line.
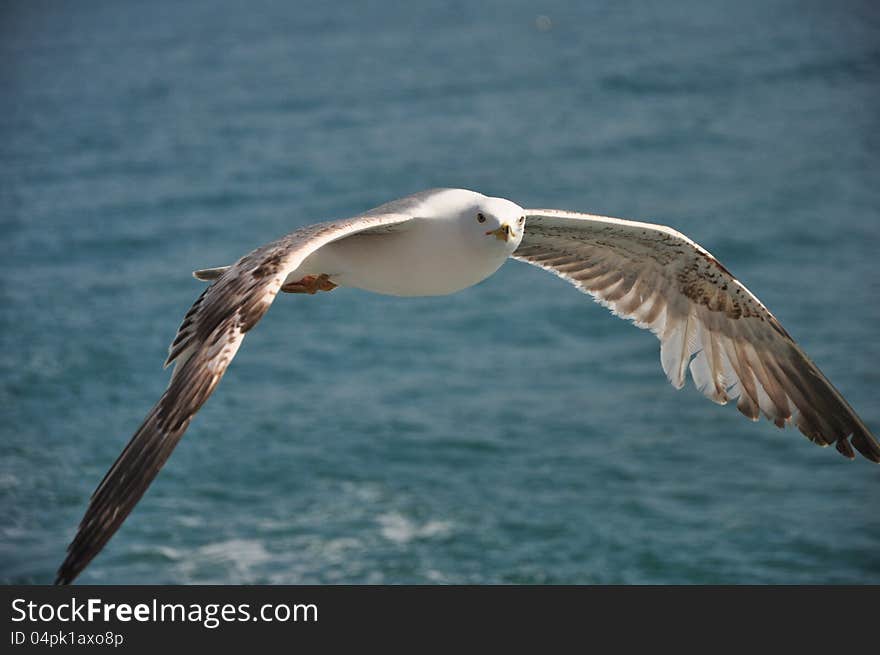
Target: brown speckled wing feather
206	342
706	320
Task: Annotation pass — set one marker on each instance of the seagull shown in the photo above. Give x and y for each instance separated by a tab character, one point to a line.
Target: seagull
440	241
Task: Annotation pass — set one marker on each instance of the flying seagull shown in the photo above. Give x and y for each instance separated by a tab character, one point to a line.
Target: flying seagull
440	241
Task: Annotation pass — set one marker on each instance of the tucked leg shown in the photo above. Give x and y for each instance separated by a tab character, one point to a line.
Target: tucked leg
310	284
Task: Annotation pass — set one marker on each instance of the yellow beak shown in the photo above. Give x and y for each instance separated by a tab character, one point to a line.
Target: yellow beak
503	233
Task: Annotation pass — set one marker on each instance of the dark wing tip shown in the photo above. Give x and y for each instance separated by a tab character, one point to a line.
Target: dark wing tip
67	572
80	554
77	557
867	445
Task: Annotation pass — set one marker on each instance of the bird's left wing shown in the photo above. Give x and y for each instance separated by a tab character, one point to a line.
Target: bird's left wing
207	340
706	320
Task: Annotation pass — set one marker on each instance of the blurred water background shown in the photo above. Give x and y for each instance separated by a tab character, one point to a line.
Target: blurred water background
512	433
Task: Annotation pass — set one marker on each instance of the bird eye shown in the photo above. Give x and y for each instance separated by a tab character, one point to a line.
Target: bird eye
522	219
481	218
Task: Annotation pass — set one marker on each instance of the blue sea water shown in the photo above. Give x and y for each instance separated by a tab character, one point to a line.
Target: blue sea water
512	433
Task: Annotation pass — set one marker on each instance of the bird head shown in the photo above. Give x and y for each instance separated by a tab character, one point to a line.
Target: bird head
498	221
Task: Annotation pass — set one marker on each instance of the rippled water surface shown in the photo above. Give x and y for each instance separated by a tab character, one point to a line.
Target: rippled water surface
514	432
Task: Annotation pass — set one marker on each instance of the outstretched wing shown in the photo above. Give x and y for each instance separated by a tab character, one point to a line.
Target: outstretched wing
705	318
206	342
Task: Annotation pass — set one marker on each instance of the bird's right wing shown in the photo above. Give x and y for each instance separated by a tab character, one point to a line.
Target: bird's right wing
207	340
706	320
